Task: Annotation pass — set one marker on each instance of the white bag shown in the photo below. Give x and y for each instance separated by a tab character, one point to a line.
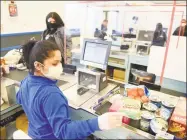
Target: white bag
13	57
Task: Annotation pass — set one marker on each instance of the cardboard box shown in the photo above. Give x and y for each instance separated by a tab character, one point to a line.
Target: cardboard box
3	133
22	123
119	74
177	123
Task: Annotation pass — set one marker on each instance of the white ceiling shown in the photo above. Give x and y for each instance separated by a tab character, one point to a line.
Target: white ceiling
118	3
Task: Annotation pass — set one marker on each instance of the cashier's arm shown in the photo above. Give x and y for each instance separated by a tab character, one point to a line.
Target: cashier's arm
56	110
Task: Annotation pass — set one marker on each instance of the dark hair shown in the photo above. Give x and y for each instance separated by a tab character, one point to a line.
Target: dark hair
57	18
37	51
158	31
105	20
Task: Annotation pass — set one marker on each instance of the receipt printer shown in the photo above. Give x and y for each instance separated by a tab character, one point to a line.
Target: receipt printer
90	79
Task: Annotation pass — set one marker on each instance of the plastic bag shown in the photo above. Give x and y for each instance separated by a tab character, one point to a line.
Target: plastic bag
140	92
13	57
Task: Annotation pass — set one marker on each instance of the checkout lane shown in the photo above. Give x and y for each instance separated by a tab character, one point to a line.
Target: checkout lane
84	110
82	106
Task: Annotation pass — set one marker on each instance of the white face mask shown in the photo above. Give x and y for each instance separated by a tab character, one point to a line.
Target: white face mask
183	24
54	72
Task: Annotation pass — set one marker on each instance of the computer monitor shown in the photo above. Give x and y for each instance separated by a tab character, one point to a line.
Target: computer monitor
95	53
146	36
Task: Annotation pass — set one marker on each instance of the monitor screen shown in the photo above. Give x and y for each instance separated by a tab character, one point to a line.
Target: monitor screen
95	52
145	35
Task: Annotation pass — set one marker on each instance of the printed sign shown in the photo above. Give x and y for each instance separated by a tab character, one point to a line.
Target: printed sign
13	10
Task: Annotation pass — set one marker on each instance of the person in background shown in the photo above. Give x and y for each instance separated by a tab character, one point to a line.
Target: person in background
159	36
104	25
181	30
45	105
57	33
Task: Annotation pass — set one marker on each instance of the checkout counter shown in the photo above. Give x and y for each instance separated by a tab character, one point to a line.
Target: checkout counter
81	105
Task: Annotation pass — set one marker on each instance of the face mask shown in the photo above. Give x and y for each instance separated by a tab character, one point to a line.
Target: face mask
183	24
53	25
54	72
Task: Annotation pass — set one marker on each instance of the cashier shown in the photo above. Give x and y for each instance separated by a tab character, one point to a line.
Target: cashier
104	25
44	103
159	37
181	30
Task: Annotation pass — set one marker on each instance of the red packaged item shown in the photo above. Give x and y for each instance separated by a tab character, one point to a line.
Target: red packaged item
177	123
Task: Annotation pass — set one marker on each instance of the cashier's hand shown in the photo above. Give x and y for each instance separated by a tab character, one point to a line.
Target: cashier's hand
110	120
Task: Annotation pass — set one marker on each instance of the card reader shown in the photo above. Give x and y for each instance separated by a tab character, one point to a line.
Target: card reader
82	90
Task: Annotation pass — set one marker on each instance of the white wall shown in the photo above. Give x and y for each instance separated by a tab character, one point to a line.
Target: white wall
31	15
176	60
148	17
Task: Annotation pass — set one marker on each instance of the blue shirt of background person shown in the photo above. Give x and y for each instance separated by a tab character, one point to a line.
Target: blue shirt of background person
104	25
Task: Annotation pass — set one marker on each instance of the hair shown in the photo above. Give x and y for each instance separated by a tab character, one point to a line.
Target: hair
57	18
158	30
37	51
105	20
183	20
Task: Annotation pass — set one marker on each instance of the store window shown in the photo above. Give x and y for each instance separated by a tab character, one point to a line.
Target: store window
113	19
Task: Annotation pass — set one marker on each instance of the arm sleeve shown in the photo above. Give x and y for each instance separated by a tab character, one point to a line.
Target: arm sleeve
56	111
176	32
165	37
18	100
68	40
68	37
18	95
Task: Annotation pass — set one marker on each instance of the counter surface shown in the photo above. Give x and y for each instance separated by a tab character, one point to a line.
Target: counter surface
86	101
78	100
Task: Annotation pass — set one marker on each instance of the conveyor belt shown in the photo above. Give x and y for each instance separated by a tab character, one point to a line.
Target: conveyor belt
19	75
118	133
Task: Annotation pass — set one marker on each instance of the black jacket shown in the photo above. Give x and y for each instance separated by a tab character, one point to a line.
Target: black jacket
159	40
176	32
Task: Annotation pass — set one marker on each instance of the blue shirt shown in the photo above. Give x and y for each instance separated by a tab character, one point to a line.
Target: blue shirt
47	111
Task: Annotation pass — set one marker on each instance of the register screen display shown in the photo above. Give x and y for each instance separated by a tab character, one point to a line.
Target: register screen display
145	35
95	52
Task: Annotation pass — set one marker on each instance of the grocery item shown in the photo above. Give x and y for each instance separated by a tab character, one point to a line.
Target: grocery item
131	108
150	107
168	105
137	92
135	122
162	113
156	100
144	99
158	124
162	135
177	123
146	117
116	107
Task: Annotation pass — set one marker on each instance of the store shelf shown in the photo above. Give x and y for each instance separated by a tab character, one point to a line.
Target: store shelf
117	56
110	79
116	65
